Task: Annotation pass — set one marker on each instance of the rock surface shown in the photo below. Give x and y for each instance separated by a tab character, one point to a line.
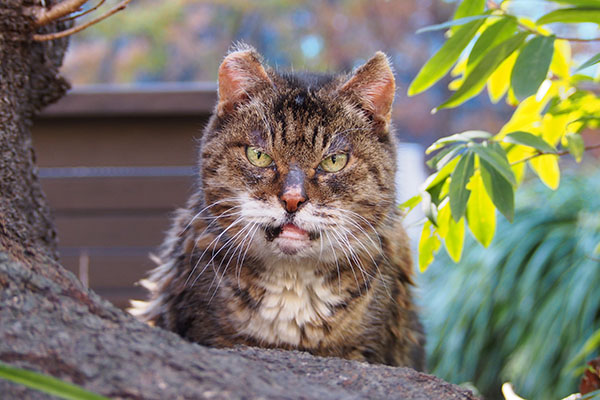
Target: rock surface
51	324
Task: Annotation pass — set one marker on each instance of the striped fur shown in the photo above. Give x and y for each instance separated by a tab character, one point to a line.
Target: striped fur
223	277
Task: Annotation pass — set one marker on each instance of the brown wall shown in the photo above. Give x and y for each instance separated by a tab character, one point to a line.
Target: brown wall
114	164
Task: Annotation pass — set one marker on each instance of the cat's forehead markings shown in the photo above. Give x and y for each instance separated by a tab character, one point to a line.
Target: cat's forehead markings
256	138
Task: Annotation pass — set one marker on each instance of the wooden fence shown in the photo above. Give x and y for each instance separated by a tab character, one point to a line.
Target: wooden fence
114	164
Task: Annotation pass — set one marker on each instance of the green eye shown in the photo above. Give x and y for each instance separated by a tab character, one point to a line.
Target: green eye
334	163
257	157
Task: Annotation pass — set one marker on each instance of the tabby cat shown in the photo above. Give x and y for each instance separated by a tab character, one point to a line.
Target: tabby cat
292	238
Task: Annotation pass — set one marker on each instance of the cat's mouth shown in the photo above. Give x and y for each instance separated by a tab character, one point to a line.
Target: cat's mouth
290	238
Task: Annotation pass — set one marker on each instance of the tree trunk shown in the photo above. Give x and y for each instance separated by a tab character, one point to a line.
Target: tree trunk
50	323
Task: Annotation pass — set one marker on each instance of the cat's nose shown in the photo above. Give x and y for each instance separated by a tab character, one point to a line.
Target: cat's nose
292	193
292	199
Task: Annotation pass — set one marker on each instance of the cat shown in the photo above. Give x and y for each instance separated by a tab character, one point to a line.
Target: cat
292	238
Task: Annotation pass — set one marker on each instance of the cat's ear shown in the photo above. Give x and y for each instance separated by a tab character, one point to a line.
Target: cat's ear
241	74
374	86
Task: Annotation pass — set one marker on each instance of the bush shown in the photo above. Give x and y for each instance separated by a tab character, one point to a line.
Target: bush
520	310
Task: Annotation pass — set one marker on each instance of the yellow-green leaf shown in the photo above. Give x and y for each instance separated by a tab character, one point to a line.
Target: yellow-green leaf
575	145
571	15
499	82
459	194
561	62
475	80
481	214
546	167
469	7
491	36
592	61
441	62
429	244
499	189
554	127
528	139
409	204
455	239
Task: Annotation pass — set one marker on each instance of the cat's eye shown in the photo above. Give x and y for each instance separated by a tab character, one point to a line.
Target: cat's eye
257	157
334	163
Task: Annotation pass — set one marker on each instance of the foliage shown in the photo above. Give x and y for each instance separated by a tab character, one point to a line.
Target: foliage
522	309
46	384
477	172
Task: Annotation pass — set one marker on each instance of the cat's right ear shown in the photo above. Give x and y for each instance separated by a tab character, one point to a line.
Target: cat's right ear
241	74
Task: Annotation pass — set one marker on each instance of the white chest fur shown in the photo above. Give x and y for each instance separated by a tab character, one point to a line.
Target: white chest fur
295	300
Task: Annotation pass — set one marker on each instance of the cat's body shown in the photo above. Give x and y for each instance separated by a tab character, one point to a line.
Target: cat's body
292	239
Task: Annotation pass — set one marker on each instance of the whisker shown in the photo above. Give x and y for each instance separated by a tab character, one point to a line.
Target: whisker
383	280
240	263
349	263
236	247
337	265
237	220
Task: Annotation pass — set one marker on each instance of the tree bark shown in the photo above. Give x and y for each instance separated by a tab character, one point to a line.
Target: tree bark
28	81
52	324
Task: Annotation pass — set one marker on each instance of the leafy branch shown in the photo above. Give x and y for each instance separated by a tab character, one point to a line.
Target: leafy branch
560	153
476	172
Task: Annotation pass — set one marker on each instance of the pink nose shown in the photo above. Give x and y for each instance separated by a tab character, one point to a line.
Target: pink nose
292	198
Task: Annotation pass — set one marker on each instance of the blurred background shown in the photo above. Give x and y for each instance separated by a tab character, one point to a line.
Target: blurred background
117	156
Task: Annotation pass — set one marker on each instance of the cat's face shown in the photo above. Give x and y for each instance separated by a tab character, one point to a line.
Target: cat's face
300	167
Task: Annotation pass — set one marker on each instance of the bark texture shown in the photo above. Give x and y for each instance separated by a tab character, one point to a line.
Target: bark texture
50	323
28	81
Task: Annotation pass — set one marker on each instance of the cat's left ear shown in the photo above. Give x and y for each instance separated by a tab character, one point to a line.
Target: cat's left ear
374	86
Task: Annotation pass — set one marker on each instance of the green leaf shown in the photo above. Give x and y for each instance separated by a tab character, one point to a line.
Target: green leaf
597	249
429	244
46	384
481	214
445	156
499	189
571	15
441	62
475	80
429	208
575	145
529	139
591	344
498	161
592	61
580	3
495	33
531	67
454	22
409	204
464	137
469	7
455	239
440	176
459	194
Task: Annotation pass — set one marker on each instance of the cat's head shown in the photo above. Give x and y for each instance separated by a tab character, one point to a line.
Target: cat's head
300	165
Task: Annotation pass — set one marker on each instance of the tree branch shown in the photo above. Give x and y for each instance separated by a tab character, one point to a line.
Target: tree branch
78	28
560	153
45	16
81	14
